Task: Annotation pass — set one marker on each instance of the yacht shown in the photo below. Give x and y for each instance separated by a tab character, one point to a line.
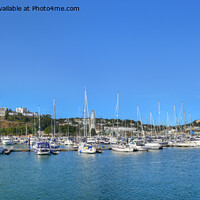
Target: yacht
91	140
123	148
42	148
7	141
54	145
86	148
33	140
139	146
113	140
153	145
68	142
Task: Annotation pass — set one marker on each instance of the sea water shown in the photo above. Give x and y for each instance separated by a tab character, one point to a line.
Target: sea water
171	173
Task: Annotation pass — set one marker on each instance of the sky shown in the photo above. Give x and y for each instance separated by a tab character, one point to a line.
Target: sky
147	50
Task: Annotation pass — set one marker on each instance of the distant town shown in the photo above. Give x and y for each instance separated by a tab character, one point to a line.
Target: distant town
22	121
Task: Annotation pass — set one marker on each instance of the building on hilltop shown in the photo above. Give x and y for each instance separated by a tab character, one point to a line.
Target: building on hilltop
13	113
22	110
3	112
28	114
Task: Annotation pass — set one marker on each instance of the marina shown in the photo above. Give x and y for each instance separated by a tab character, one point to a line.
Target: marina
99	100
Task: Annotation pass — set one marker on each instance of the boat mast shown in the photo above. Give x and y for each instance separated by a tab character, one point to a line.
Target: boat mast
139	117
151	122
68	128
79	121
39	123
117	110
137	120
190	124
175	120
85	114
167	123
159	128
34	127
181	117
101	125
184	122
54	110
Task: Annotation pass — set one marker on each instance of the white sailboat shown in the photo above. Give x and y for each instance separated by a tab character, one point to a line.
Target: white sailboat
84	147
120	147
41	148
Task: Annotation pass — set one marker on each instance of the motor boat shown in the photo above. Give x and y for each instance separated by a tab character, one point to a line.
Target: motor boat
153	145
33	141
86	148
54	145
7	141
42	148
123	148
91	140
139	146
68	142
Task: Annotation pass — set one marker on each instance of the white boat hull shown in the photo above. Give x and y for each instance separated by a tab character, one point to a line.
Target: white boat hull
121	149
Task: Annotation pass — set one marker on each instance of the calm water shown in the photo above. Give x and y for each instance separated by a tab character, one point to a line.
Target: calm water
170	173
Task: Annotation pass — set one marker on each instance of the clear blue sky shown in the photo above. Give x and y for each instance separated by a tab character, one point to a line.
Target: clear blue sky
146	50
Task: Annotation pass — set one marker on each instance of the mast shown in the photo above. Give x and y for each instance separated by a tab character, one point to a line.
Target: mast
68	128
54	109
117	110
151	122
190	124
39	124
184	122
159	129
181	117
34	127
175	120
167	123
79	120
139	117
85	114
52	126
101	125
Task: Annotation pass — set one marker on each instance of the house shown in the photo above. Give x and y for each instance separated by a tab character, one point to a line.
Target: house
3	112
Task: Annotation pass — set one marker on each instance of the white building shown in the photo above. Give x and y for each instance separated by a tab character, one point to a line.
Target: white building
3	112
28	114
13	113
22	110
36	114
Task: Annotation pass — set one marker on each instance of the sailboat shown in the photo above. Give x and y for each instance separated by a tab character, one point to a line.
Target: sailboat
41	148
84	147
53	143
121	146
